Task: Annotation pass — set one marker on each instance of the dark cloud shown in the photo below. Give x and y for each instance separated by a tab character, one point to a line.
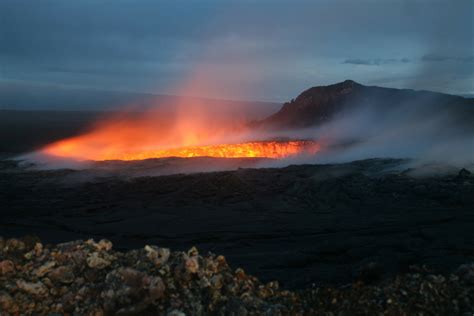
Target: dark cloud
278	46
375	61
359	61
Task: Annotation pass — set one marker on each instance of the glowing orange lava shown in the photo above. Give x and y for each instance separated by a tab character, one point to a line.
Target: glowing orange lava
188	125
190	130
263	149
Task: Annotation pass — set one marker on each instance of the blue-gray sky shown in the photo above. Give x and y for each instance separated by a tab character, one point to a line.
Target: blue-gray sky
265	50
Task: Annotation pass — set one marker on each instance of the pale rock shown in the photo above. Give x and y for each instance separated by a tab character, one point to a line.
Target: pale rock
33	288
96	262
191	264
6	267
157	255
62	274
45	268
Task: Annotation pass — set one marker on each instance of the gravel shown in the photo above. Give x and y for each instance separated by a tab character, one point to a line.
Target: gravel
91	278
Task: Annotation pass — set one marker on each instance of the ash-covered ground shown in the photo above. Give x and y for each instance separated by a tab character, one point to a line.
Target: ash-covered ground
301	224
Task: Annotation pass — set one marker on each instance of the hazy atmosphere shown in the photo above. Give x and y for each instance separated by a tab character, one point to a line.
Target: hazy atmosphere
236	157
257	50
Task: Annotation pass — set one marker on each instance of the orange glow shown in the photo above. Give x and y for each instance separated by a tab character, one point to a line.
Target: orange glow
184	127
193	131
189	126
266	149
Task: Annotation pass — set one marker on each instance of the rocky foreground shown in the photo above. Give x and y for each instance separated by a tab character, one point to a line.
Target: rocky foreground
90	278
299	225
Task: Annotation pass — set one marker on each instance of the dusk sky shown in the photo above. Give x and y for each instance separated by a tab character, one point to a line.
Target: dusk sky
262	50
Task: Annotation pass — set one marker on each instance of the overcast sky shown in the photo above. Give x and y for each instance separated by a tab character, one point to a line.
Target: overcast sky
265	50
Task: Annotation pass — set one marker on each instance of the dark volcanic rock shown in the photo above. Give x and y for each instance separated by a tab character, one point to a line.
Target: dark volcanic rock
192	284
320	104
300	224
464	173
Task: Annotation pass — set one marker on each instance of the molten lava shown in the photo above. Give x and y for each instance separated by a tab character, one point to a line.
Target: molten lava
262	149
192	131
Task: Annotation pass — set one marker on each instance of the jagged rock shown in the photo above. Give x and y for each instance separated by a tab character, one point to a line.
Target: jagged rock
94	261
217	281
45	268
62	274
38	249
191	264
6	301
103	244
36	288
6	267
156	288
125	291
157	255
190	284
14	245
